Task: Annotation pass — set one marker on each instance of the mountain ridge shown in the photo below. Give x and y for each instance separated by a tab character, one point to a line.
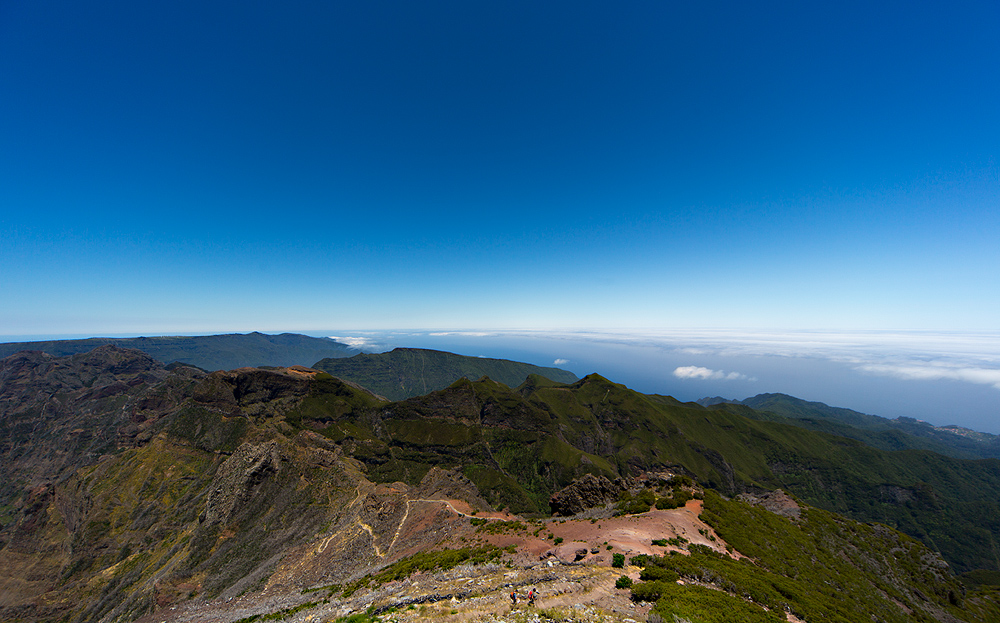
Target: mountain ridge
209	352
901	433
265	482
408	372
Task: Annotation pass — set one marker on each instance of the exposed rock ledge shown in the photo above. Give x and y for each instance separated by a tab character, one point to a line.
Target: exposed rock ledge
777	501
586	492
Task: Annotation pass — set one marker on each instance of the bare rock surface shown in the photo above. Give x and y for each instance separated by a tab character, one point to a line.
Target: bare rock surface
777	501
59	414
588	491
238	476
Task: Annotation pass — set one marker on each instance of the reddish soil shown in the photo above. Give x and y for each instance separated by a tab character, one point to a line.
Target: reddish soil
629	534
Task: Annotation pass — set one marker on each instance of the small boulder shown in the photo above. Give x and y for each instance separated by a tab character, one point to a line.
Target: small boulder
568	553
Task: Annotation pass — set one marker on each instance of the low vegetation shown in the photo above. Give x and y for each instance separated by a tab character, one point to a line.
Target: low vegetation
499	526
821	568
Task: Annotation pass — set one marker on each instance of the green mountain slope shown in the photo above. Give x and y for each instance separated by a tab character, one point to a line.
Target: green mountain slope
521	446
888	434
209	352
176	484
817	567
407	372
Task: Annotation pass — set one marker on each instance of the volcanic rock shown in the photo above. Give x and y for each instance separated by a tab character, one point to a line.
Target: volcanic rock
583	493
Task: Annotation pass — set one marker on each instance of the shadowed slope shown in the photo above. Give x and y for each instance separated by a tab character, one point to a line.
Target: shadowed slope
209	352
408	372
888	434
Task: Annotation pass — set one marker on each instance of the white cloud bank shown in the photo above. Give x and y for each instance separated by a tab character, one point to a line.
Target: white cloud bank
560	362
353	342
936	372
968	357
705	374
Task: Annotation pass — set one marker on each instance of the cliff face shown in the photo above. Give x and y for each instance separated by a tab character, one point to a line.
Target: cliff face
58	414
130	487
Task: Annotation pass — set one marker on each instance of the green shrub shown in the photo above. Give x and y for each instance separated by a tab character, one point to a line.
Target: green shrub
623	582
696	603
677	499
618	561
497	527
640	503
681	481
639	561
982	577
653	573
666	503
648	591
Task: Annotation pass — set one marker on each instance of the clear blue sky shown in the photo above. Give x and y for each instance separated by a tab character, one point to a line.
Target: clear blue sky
231	166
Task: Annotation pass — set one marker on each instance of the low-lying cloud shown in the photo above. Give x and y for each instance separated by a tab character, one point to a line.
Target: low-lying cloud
352	341
560	362
705	374
932	372
906	355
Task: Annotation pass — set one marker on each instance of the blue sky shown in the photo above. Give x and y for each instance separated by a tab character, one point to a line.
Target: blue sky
196	167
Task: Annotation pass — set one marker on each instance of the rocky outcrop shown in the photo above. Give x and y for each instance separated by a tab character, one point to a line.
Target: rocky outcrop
33	377
237	478
777	501
449	484
58	414
252	391
586	492
568	553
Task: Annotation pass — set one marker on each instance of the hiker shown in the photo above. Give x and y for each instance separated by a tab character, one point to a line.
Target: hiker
531	597
513	598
